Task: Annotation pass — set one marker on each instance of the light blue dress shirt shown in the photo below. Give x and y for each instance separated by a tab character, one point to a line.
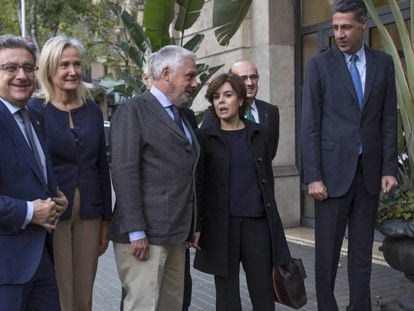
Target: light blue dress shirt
361	64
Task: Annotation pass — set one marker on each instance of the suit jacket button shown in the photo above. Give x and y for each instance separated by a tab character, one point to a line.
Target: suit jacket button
264	181
259	159
268	205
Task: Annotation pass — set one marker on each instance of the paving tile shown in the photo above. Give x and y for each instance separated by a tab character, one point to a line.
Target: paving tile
386	284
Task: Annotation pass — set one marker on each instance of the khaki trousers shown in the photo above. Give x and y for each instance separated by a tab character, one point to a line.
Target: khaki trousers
75	247
156	284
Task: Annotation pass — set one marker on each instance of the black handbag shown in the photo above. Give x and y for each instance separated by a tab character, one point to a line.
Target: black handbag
289	285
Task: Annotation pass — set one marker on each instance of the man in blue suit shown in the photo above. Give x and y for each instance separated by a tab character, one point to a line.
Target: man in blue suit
30	203
349	126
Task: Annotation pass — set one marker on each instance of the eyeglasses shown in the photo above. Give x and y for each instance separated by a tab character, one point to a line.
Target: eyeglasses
13	68
252	78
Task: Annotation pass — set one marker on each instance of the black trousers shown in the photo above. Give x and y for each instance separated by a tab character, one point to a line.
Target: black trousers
357	209
250	244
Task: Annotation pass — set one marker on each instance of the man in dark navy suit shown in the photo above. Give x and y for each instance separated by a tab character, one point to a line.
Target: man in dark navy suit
30	203
349	126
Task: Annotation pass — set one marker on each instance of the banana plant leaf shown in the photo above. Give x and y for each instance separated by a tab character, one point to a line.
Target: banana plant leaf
227	17
158	16
194	43
132	52
134	30
188	14
405	42
404	78
205	72
136	84
118	86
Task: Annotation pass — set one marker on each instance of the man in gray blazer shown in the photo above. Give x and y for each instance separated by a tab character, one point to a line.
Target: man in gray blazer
349	124
260	111
154	153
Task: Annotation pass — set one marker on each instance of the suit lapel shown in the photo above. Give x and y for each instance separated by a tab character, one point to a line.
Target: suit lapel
18	139
342	69
159	111
194	139
370	74
38	124
263	113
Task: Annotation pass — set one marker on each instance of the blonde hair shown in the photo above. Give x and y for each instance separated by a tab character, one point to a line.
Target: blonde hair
49	61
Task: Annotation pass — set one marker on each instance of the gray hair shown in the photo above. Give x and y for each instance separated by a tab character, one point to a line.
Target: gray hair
148	64
14	42
171	56
355	6
49	61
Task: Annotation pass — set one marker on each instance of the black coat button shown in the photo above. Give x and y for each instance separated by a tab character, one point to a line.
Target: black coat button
259	159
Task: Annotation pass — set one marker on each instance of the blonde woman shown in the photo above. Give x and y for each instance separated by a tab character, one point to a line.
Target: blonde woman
75	140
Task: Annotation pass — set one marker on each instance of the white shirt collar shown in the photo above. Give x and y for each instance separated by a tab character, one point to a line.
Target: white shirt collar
360	53
160	96
12	108
253	105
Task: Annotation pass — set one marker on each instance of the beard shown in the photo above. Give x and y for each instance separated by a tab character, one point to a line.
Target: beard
175	97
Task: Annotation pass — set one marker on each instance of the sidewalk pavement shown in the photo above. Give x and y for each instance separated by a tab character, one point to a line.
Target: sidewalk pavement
386	283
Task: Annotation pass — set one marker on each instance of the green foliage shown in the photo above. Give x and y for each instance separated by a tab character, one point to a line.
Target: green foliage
399	203
155	33
189	13
133	29
227	18
9	22
158	16
404	73
194	43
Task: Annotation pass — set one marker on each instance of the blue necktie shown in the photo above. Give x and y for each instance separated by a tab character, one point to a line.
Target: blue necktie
356	79
177	117
29	135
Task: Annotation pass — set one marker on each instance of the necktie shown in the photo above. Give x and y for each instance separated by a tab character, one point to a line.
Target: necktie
29	134
177	117
356	79
249	115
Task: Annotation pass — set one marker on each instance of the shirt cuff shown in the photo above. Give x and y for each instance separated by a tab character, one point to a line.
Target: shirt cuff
29	214
136	235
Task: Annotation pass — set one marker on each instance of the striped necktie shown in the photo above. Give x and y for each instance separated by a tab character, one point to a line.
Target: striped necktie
29	135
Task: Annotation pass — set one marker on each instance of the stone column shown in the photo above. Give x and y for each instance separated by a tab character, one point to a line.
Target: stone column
272	49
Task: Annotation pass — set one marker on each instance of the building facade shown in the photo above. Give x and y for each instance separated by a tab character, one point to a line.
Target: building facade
280	36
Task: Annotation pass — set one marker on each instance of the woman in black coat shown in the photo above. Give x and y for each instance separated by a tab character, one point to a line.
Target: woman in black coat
239	221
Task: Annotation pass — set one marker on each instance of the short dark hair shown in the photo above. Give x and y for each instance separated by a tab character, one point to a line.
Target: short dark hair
236	83
356	6
14	42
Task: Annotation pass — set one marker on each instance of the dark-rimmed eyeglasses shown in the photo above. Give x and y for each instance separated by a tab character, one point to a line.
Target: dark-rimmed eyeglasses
13	68
251	77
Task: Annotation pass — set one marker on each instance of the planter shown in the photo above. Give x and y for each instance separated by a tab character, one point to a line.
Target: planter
398	250
399	254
